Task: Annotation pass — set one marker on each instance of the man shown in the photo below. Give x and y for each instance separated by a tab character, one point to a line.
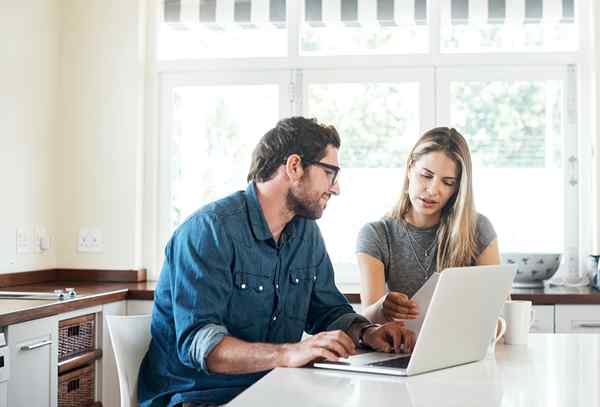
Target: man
245	276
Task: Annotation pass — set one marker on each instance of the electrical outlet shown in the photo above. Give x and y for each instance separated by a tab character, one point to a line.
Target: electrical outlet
90	241
24	240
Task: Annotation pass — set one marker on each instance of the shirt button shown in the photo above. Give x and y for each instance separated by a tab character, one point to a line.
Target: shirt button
260	288
243	286
276	285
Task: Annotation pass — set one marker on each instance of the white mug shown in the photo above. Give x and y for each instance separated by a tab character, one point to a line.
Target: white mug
496	337
519	317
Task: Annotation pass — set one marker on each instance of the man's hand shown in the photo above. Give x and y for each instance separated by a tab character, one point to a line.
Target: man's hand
330	345
398	306
390	337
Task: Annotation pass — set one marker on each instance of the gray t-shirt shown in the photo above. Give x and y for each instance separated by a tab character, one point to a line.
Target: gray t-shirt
402	252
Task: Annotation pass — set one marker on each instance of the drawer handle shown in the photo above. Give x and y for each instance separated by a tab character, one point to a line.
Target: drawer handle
36	345
590	325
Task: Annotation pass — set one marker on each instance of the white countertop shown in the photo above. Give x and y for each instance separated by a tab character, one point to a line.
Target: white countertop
552	370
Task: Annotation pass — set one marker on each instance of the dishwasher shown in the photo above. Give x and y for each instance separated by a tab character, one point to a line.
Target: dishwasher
4	370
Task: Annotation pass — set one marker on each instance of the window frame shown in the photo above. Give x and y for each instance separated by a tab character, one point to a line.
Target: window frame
295	69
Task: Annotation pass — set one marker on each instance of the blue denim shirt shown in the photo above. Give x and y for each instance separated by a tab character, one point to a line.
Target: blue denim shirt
224	274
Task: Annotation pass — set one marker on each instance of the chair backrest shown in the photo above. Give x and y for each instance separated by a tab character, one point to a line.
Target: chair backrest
130	337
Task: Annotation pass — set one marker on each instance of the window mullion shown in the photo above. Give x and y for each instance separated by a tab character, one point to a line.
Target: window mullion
571	163
434	31
294	17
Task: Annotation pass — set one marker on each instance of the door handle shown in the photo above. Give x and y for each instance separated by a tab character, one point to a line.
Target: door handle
36	345
590	325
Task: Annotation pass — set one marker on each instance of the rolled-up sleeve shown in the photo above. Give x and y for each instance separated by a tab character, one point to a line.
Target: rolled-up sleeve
199	256
204	342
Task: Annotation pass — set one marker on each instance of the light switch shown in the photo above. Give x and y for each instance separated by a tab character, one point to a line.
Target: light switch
24	240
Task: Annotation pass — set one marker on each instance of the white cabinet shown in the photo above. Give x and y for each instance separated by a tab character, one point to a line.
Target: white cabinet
578	318
543	320
33	347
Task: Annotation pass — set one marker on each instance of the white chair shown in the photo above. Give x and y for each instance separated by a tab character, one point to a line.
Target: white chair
130	337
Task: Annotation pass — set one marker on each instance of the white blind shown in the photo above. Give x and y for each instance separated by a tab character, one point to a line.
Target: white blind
511	11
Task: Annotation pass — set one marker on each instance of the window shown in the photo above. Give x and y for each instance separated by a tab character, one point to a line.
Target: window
213	124
202	29
505	25
363	27
379	121
514	121
505	73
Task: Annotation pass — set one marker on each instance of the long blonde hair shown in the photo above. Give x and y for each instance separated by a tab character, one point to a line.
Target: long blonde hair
456	242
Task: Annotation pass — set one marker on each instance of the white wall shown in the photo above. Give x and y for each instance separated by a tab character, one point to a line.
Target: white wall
596	129
102	77
29	63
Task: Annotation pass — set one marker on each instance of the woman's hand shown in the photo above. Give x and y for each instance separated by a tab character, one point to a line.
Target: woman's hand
390	337
398	306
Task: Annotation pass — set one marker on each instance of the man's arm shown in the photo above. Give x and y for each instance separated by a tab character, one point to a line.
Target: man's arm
198	257
233	355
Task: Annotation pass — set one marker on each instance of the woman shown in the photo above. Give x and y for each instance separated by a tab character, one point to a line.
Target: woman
433	226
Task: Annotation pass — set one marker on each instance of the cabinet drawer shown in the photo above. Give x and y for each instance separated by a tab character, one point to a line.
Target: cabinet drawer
76	388
543	321
76	335
578	318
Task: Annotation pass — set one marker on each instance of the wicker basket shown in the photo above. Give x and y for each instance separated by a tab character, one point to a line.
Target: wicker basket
76	388
76	335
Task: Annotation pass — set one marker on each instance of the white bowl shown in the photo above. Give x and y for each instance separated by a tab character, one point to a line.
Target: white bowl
532	268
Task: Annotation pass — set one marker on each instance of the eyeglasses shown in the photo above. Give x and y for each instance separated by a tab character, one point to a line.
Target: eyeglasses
331	170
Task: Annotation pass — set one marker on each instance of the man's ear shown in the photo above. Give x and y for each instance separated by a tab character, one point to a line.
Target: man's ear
293	167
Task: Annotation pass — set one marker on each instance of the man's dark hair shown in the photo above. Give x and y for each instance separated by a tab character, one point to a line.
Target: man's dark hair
294	135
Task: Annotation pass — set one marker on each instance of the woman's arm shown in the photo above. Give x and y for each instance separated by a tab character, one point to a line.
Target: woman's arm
376	305
490	256
372	286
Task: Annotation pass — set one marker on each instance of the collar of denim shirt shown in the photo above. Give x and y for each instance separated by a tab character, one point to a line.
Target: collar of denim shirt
257	219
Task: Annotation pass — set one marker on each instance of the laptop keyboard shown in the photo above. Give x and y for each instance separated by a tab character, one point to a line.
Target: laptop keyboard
398	363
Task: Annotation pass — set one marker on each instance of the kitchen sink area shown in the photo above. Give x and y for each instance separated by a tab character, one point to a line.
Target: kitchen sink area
60	294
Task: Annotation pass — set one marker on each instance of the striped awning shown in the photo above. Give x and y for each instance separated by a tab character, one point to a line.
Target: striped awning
223	13
508	11
353	13
362	12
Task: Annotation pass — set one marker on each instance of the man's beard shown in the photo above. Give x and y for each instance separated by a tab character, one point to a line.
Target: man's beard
302	205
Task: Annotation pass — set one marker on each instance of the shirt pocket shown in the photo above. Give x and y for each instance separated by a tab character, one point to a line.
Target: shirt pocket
252	300
302	281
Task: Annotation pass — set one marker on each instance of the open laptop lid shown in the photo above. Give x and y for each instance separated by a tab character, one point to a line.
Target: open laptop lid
460	317
459	308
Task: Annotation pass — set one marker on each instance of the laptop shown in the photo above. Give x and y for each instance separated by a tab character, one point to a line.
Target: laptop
459	308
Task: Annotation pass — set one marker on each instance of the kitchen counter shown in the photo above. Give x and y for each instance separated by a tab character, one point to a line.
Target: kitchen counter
552	370
94	293
89	294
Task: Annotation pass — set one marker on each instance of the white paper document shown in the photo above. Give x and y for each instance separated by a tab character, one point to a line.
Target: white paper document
423	298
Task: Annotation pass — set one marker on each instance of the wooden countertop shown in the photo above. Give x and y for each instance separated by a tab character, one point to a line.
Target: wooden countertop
89	294
95	293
